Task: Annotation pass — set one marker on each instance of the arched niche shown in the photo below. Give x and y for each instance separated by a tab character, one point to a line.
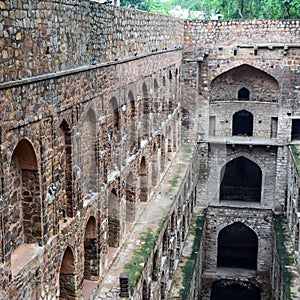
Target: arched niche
89	152
263	86
241	180
237	247
67	279
131	198
114	225
243	94
67	207
242	123
25	207
91	258
143	180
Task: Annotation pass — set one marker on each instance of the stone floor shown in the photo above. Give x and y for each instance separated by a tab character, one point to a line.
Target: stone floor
151	214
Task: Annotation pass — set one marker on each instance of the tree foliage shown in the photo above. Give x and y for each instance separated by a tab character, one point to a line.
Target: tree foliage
230	9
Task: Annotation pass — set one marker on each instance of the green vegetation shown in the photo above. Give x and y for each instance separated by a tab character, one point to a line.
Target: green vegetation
135	266
296	158
174	181
229	9
188	269
286	257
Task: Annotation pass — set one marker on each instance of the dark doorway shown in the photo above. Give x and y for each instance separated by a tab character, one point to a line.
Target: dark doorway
296	129
226	291
241	181
242	123
237	247
243	94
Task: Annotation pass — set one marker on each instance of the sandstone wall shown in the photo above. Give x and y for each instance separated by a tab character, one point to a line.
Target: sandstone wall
47	37
90	106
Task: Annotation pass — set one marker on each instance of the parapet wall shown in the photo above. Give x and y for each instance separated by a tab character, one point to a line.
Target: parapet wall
211	33
40	37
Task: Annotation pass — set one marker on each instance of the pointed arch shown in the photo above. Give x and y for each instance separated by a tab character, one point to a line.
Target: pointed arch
241	180
237	247
67	279
143	180
132	137
114	225
67	207
131	200
91	258
263	86
25	206
242	123
89	152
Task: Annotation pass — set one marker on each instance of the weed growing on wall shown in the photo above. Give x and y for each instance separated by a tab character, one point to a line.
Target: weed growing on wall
189	268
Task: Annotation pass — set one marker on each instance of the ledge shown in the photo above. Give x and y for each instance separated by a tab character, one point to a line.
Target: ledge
84	68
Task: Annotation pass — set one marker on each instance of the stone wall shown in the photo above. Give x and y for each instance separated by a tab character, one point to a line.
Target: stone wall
260	222
76	76
47	37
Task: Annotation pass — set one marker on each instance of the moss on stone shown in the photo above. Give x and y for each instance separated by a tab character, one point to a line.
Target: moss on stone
286	257
140	256
294	150
189	268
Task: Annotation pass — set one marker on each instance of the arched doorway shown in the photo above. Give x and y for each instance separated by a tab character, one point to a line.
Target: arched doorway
224	290
242	123
91	261
237	247
241	180
67	284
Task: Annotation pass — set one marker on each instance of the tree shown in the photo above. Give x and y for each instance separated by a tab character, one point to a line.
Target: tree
230	9
137	4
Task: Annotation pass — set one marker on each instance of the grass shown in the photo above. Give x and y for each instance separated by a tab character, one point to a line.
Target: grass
140	256
174	181
189	267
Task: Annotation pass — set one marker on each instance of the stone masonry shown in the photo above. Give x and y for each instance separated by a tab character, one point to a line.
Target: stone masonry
120	128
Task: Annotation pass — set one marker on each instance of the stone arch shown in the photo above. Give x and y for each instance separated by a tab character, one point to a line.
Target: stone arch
263	86
237	247
170	142
145	110
242	123
162	153
155	172
143	180
67	279
67	207
243	94
132	138
234	290
25	214
131	201
241	180
155	266
89	152
114	225
91	259
114	120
